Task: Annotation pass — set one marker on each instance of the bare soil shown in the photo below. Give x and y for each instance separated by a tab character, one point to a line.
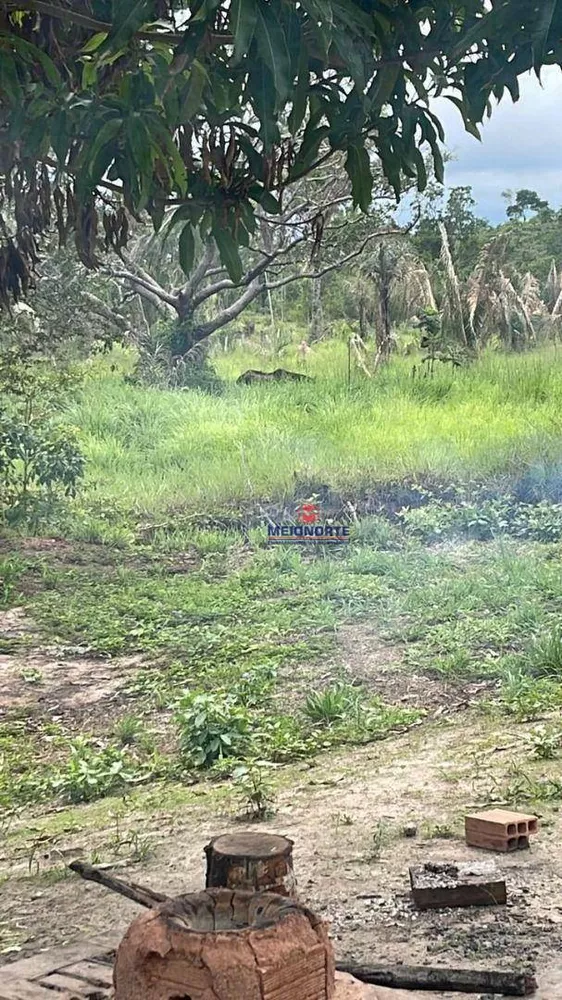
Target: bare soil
345	812
55	682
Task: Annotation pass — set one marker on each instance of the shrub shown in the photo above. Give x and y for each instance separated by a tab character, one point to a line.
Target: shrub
39	458
211	726
91	774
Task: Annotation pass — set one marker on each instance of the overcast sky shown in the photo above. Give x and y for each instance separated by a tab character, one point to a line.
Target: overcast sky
521	146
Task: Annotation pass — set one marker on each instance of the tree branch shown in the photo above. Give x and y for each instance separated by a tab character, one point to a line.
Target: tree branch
103	310
149	285
200	272
226	284
227	315
141	288
271	286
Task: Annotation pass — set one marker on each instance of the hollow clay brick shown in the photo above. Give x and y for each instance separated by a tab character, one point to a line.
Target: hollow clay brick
500	823
504	845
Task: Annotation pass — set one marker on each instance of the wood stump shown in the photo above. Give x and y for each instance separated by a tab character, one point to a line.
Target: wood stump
223	945
261	862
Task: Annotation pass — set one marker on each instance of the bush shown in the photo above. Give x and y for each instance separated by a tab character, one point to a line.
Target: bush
91	774
39	458
211	727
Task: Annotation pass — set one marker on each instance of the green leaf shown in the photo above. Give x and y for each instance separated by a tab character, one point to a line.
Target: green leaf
421	170
59	137
358	167
243	20
198	77
102	150
322	23
269	204
33	54
469	125
381	90
300	96
95	41
127	17
229	252
187	249
169	153
542	28
272	46
9	82
263	96
89	74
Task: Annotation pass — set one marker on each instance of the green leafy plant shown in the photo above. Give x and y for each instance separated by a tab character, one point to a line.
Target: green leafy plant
92	774
32	675
11	568
39	458
546	658
545	742
254	791
333	704
211	726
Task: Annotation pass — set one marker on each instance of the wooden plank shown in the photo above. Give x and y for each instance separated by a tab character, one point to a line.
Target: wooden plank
20	989
60	981
92	972
59	958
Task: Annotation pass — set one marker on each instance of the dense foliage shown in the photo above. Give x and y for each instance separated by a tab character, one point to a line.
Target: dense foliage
217	106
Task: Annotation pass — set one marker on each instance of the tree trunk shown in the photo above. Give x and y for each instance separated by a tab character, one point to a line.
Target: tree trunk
383	333
257	861
316	310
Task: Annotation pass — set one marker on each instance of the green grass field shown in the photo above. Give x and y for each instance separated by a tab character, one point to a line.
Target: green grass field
151	449
239	642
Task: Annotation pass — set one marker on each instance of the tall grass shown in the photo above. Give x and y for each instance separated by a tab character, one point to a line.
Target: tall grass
154	448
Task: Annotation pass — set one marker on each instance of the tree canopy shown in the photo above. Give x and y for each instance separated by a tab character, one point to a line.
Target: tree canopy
215	107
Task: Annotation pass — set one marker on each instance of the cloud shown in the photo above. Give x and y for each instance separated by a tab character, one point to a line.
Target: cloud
521	146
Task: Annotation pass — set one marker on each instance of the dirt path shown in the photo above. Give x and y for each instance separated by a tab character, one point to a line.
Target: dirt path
345	815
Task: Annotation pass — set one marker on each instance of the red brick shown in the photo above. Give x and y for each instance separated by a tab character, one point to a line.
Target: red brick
505	845
500	825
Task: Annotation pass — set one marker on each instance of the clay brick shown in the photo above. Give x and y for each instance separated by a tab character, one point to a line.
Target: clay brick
226	945
504	845
500	824
436	886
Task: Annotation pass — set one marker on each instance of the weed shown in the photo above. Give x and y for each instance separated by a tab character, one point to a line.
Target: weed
254	791
129	843
440	831
528	698
11	569
32	675
524	787
545	742
379	839
342	819
546	657
333	704
128	729
91	774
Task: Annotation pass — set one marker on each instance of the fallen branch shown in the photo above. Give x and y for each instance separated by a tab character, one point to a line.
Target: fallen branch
137	893
407	977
